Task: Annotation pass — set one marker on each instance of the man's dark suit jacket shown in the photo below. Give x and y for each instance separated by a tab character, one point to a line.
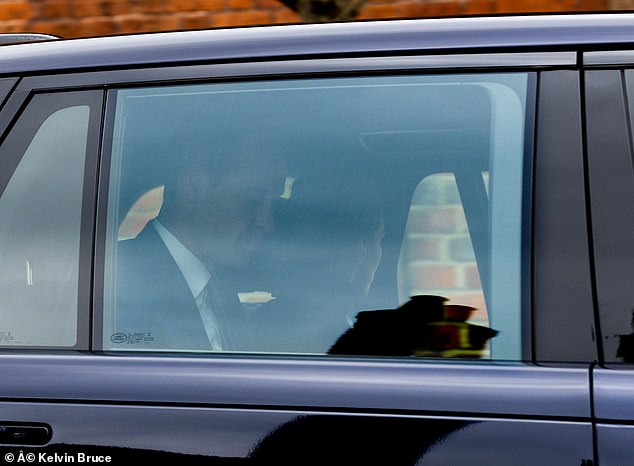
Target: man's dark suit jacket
155	308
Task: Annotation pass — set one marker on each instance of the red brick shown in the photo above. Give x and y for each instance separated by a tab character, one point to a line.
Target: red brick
433	276
87	8
97	26
16	10
437	219
17	25
240	4
64	28
129	23
216	5
55	9
380	11
437	189
285	16
147	23
479	7
151	6
245	18
197	20
194	5
528	6
471	277
90	8
426	248
121	7
124	7
165	23
432	9
598	5
460	249
265	4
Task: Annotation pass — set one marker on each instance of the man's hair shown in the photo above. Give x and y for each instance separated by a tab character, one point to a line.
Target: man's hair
157	159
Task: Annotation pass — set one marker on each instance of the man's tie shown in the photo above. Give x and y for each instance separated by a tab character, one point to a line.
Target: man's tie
213	309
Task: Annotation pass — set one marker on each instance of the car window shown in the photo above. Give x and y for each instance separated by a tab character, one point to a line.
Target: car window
42	162
368	216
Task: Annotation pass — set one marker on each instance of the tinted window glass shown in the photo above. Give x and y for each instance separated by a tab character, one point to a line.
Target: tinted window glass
40	216
437	252
365	216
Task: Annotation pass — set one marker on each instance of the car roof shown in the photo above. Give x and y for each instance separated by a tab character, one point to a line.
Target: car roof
403	36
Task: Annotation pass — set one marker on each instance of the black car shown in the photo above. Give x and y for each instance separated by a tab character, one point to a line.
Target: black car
401	242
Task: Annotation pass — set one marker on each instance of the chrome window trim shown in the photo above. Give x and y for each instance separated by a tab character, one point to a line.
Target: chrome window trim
608	58
453	62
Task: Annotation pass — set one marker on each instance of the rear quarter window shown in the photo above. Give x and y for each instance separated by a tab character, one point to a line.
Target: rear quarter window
40	222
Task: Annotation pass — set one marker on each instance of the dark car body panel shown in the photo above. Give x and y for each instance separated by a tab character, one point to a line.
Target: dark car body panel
311	384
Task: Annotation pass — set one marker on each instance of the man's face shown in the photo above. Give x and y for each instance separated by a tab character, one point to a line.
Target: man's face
231	215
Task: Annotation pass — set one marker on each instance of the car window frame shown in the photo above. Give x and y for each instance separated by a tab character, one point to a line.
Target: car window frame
564	328
17	104
321	67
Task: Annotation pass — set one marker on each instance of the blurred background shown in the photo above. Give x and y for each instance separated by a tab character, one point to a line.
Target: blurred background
85	18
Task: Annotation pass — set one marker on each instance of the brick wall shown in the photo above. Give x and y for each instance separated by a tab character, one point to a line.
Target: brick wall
80	18
438	257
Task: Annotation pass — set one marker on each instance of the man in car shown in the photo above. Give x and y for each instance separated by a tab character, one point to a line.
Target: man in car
173	292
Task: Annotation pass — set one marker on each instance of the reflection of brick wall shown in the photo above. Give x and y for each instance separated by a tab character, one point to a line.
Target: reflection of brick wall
80	18
438	256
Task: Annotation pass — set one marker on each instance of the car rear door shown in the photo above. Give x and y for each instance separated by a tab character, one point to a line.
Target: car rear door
608	94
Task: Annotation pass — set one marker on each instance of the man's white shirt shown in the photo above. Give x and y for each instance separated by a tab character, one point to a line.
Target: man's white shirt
197	276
